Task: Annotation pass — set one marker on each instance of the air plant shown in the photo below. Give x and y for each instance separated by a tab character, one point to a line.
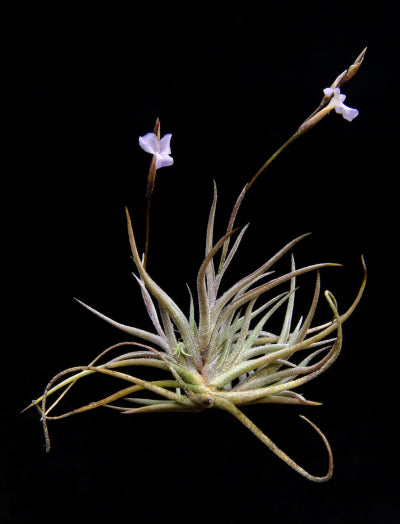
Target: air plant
222	354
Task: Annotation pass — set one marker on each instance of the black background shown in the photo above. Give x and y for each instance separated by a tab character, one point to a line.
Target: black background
81	82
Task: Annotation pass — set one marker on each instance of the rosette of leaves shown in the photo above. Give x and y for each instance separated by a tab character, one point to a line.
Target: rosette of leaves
222	354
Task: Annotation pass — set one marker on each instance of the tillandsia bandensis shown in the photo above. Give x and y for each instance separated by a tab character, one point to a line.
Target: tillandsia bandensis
222	354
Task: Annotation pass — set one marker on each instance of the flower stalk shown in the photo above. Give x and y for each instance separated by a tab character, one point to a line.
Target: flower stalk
160	149
331	95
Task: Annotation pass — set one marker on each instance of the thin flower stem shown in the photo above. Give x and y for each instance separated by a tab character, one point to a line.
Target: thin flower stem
151	180
146	247
150	188
268	162
244	191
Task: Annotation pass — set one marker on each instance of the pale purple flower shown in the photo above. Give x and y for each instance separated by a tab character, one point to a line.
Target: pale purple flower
159	148
336	103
